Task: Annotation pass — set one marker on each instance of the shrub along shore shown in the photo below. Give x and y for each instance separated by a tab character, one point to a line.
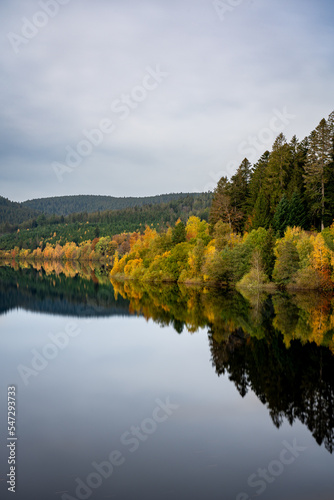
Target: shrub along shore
197	252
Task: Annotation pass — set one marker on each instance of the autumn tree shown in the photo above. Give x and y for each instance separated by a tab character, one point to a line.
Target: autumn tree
196	228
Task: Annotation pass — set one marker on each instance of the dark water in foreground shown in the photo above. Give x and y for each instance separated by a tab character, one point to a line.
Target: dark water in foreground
164	392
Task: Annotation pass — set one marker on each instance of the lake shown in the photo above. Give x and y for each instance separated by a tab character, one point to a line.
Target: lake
129	391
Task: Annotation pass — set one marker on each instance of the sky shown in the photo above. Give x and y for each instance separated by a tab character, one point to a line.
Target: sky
138	98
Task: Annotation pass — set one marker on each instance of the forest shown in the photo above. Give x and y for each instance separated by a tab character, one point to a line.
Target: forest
292	185
66	205
270	225
12	213
81	226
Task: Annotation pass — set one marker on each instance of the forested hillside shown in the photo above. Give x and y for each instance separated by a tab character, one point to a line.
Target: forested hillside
271	224
65	205
15	213
87	226
293	185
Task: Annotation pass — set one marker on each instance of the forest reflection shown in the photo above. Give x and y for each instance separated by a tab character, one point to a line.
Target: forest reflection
280	346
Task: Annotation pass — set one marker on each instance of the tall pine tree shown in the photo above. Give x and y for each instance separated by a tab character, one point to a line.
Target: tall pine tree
239	190
261	213
297	212
317	169
278	171
282	215
257	178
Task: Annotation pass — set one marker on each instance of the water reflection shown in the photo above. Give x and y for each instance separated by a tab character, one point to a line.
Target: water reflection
279	346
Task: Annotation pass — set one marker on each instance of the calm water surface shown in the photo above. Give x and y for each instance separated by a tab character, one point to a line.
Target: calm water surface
132	392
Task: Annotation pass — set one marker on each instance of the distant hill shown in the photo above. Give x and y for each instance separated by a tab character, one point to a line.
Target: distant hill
12	212
66	205
83	226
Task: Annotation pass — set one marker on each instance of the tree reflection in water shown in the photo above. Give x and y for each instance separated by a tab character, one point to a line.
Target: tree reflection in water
280	346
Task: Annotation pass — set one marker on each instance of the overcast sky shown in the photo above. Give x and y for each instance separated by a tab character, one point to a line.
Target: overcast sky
136	98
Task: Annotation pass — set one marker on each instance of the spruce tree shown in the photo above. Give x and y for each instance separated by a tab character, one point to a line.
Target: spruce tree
179	233
261	214
282	216
318	161
257	178
239	190
278	171
221	200
329	216
297	215
298	157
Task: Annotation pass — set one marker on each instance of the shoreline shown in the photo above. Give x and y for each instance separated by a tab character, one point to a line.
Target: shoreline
270	287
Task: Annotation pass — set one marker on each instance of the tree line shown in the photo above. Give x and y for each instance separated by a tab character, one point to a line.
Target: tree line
66	205
292	185
78	227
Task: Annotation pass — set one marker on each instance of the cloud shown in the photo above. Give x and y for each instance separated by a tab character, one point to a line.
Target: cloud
224	80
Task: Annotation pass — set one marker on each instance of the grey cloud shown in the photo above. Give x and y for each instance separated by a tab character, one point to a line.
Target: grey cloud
225	78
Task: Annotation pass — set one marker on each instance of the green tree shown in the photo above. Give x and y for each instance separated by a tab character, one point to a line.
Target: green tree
282	216
278	171
287	262
261	214
239	190
267	252
256	277
179	234
298	157
318	161
257	178
297	212
96	232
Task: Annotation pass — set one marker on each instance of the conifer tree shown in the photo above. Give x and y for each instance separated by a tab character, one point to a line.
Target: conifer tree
221	200
278	171
239	190
318	161
329	216
297	212
179	233
298	152
282	215
261	214
257	178
240	185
